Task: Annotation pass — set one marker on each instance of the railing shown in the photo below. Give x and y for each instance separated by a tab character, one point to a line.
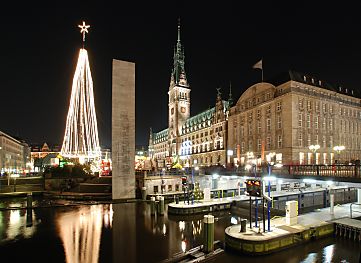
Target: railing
339	170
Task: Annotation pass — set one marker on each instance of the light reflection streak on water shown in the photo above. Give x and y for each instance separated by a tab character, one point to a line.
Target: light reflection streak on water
328	253
17	224
311	258
183	246
80	232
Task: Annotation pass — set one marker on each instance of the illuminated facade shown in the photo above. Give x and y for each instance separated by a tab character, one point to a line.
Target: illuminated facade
81	133
296	111
198	140
14	154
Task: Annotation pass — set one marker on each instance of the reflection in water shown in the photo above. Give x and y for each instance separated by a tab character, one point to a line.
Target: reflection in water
311	258
328	253
80	232
19	224
183	246
124	234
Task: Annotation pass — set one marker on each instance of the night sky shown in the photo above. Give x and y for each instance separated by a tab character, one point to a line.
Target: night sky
39	46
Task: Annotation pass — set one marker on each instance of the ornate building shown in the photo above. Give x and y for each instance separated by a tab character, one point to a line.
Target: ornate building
281	119
198	140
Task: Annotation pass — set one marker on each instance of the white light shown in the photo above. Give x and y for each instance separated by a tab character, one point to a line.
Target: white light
307	180
81	133
14	217
269	178
215	176
234	221
314	147
278	165
83	29
164	229
196	168
229	152
182	225
183	246
15	175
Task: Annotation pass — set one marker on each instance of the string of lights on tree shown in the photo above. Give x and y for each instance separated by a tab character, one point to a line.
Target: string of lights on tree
81	133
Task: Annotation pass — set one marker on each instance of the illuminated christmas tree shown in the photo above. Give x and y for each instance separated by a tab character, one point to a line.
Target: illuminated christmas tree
81	139
198	193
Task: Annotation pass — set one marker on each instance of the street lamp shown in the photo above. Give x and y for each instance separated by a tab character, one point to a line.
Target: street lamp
270	158
229	154
338	149
314	148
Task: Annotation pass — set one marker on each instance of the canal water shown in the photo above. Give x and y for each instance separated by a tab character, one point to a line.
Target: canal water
126	232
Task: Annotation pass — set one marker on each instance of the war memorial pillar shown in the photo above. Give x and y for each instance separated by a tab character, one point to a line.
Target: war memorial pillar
123	129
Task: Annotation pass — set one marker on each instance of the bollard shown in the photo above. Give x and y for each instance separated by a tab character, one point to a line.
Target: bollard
332	202
144	193
29	200
152	205
161	205
208	228
29	217
177	199
243	225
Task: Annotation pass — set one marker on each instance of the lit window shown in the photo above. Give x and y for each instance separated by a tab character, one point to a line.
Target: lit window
279	141
300	120
300	139
308	120
279	106
268	124
279	122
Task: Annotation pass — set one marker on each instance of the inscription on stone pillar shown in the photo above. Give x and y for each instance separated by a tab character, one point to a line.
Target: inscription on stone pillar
123	129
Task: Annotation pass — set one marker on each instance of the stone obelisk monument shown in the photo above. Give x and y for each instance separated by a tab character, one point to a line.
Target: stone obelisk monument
123	129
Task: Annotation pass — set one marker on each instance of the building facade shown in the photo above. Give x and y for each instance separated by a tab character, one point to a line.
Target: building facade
280	120
198	140
14	155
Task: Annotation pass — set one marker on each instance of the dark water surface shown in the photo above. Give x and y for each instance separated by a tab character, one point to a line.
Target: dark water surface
127	233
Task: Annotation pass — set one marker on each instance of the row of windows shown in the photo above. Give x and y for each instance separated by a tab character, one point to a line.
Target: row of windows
326	108
268	144
202	148
325	123
328	141
257	100
259	126
329	95
206	160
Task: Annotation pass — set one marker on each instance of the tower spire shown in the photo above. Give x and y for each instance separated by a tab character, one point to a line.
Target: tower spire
179	25
230	99
178	73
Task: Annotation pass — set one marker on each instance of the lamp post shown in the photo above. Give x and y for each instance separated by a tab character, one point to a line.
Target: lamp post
338	149
314	149
270	164
192	189
229	154
252	166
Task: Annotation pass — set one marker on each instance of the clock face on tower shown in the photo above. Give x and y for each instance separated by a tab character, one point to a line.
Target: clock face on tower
183	110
